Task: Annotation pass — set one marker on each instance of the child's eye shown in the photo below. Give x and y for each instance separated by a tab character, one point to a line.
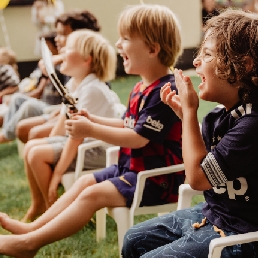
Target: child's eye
207	57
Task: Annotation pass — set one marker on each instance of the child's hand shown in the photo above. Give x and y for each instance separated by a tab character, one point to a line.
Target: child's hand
188	96
170	98
78	127
52	191
82	112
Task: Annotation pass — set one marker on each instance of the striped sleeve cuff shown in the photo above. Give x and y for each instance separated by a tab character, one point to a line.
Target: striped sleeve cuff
213	171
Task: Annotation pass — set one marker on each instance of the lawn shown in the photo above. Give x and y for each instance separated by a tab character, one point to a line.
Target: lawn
15	198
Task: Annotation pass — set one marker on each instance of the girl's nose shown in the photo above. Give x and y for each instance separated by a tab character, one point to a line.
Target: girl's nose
197	61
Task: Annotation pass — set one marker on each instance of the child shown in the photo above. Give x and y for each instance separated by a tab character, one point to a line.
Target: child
9	78
22	107
36	92
43	15
89	60
40	126
149	43
8	56
224	162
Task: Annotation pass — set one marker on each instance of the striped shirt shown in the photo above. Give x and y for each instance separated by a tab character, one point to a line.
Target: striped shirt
8	77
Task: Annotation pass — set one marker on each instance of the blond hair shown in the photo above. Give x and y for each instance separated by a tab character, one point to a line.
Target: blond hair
91	43
154	24
8	56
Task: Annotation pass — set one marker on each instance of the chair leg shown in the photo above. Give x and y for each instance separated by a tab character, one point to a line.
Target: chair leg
124	221
100	224
20	146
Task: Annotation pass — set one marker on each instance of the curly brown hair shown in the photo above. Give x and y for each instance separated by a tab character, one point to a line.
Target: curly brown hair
236	34
79	20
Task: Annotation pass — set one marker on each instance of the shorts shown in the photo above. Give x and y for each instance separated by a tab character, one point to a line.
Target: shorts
94	158
125	182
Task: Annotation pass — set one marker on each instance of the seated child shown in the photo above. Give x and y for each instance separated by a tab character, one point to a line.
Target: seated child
223	161
149	44
40	126
9	78
90	61
35	94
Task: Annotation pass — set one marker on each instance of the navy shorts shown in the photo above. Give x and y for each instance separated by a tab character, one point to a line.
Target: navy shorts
125	181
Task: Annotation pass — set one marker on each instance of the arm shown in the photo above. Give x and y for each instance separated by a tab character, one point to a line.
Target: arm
81	127
68	154
37	93
185	105
59	128
8	90
113	122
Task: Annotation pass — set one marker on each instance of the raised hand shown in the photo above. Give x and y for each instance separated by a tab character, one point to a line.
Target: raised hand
188	96
170	98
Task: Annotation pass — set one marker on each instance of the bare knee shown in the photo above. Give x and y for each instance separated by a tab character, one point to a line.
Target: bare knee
36	133
84	181
34	155
22	131
28	146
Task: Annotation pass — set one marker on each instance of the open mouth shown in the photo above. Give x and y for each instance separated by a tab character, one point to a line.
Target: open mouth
202	78
125	58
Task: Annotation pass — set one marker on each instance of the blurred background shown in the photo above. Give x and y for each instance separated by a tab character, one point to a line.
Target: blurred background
18	31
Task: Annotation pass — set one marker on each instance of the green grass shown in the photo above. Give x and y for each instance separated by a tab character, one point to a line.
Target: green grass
15	197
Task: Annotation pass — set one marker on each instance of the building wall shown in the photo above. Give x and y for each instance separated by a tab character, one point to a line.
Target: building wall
22	32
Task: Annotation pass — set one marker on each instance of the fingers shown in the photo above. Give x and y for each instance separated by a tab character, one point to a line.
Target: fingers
164	91
182	81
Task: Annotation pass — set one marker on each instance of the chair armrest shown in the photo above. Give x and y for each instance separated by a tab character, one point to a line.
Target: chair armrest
186	193
216	245
112	155
142	176
81	154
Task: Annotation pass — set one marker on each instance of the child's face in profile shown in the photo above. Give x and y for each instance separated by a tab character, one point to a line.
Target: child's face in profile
62	32
135	54
212	88
73	62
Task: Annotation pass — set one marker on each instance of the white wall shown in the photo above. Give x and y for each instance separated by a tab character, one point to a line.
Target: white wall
22	32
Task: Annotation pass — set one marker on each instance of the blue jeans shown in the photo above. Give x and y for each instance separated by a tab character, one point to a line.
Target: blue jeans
20	107
172	235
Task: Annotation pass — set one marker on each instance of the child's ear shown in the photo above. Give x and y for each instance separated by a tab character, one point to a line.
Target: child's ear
248	63
88	60
155	49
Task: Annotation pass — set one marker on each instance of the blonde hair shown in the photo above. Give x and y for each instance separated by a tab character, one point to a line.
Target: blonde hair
91	43
7	56
154	24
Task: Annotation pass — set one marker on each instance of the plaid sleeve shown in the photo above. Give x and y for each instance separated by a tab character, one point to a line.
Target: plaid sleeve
8	77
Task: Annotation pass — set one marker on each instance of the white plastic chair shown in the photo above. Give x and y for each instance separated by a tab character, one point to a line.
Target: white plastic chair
186	194
70	177
124	216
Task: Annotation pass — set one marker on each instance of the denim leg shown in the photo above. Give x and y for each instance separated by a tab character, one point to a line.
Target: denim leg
172	235
15	103
159	231
28	108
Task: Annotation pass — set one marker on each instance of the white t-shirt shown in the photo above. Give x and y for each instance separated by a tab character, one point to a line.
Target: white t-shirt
93	95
